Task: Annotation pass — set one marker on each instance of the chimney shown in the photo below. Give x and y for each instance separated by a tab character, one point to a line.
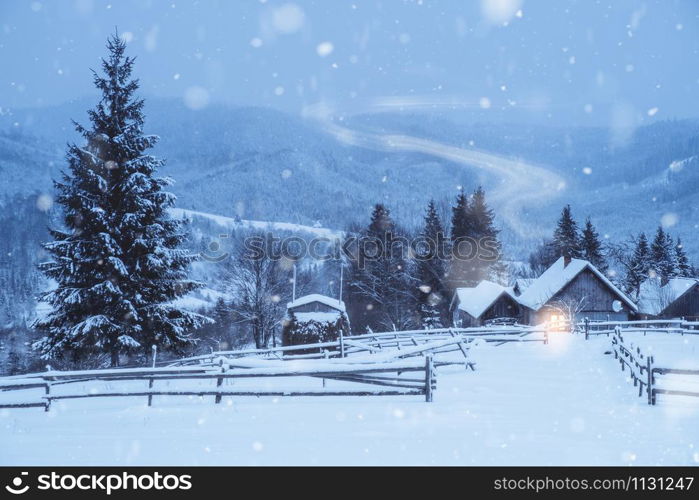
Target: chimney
566	260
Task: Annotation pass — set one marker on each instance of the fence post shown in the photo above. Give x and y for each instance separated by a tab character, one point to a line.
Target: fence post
649	383
342	344
587	328
47	389
150	387
429	375
219	382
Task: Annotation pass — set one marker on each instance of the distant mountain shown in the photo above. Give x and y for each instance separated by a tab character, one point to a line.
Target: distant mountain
262	164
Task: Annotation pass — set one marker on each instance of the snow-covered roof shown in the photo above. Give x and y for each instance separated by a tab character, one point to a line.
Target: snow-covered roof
320	317
476	300
654	299
316	297
556	277
522	284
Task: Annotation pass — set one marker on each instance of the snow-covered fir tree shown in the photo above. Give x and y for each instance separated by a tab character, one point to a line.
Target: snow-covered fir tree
566	238
118	263
639	267
383	280
684	268
662	252
591	247
483	231
431	270
474	239
460	223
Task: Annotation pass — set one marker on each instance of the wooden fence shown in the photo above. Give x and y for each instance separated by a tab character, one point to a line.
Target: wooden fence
643	370
670	326
377	374
362	359
374	343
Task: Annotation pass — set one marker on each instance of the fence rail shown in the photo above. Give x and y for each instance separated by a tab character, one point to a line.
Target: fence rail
374	343
367	359
670	326
376	374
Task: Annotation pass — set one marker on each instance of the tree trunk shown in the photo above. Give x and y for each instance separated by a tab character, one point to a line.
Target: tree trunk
115	359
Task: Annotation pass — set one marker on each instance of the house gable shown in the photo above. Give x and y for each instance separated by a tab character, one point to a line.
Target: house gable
595	294
686	305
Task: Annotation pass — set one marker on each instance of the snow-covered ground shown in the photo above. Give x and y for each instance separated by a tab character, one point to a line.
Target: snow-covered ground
557	404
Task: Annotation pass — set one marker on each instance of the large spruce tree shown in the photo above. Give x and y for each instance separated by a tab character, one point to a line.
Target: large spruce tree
460	222
684	268
483	230
639	267
118	264
566	238
663	255
591	247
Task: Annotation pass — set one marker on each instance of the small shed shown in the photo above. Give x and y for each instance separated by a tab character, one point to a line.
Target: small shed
314	318
573	289
487	301
677	298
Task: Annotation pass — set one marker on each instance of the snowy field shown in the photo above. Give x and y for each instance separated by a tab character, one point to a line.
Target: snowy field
565	403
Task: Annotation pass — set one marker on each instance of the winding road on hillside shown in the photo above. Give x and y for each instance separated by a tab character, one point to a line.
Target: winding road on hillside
520	184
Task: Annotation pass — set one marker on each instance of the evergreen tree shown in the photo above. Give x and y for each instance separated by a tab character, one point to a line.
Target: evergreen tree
381	222
684	268
460	224
566	239
663	255
118	264
639	266
672	255
383	280
483	230
591	247
431	271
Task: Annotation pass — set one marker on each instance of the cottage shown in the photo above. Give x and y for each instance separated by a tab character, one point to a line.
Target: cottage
677	298
484	303
314	318
572	289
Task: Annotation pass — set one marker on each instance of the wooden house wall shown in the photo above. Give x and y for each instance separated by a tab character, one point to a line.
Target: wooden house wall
504	307
686	306
598	300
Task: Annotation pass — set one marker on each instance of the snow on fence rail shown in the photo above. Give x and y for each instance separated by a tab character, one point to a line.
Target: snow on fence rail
643	371
377	342
671	326
376	374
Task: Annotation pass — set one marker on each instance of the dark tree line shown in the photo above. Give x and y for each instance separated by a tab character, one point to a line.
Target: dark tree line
641	259
411	285
570	242
663	258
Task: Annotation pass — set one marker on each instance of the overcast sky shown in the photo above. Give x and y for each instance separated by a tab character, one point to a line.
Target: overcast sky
576	61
